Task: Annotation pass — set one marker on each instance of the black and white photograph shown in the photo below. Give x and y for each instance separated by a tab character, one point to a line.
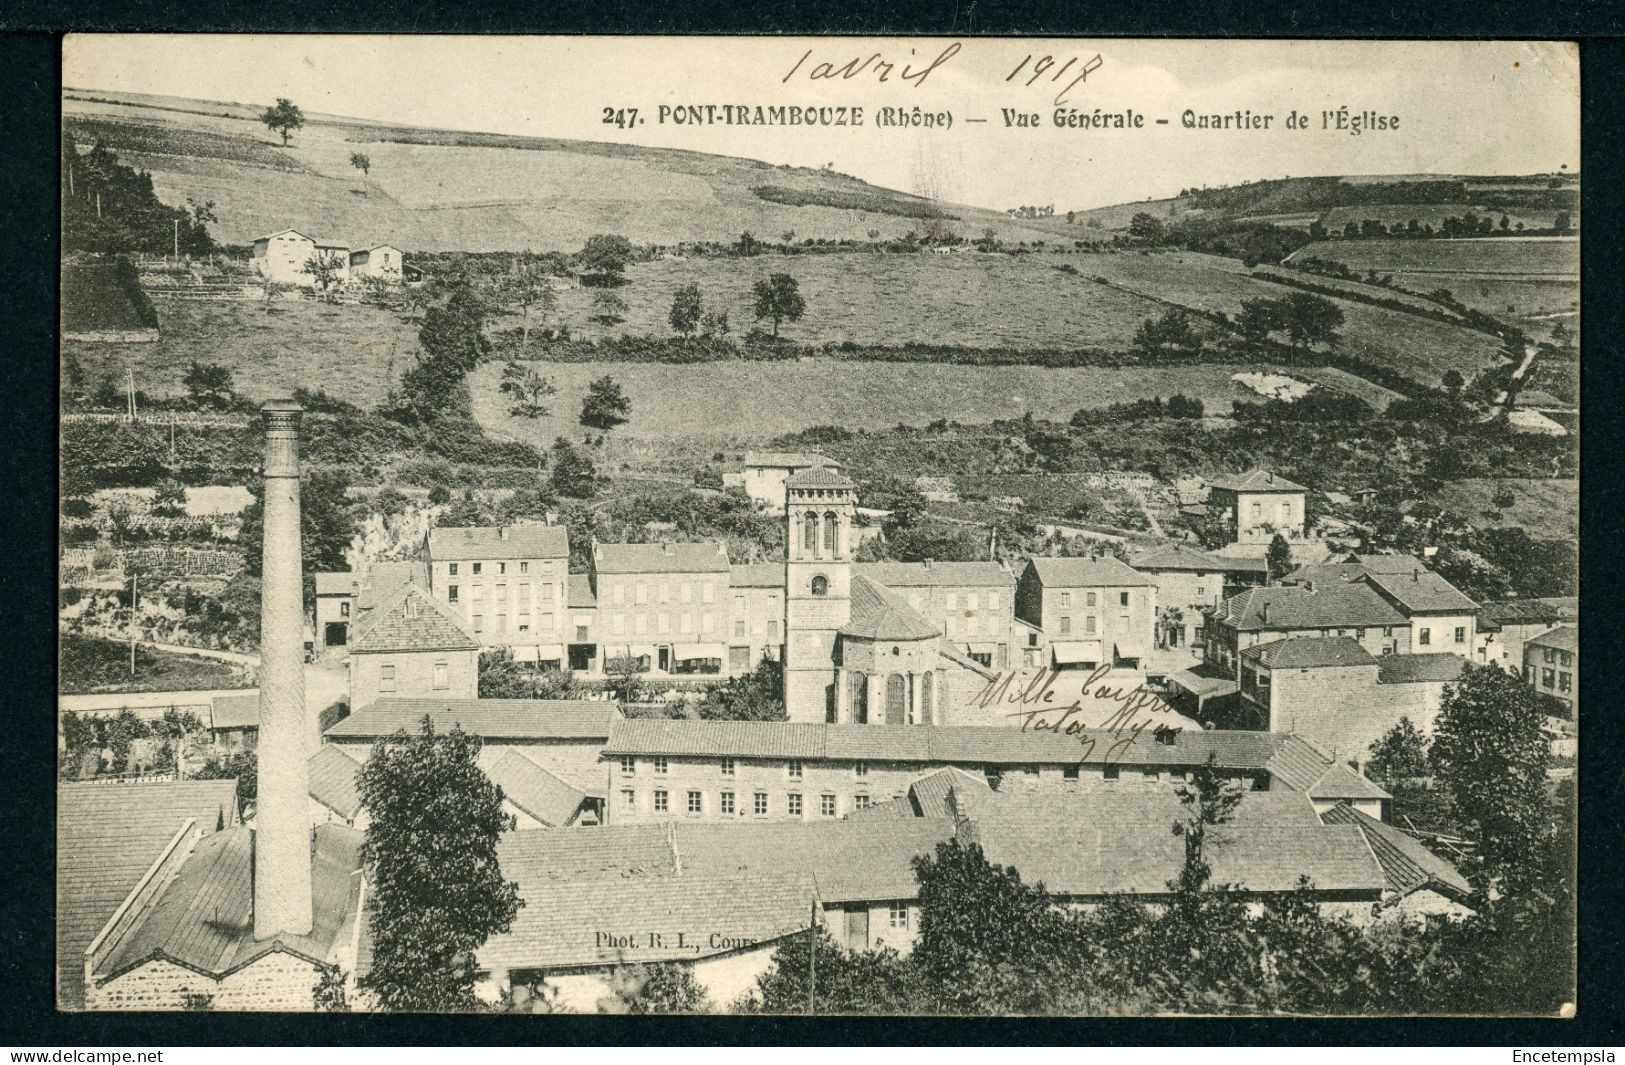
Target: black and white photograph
761	526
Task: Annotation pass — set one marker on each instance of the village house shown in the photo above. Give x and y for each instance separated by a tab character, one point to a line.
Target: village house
1093	611
971	602
1504	627
1252	507
766	471
234	722
755	629
335	795
668	606
1417	884
1551	665
414	645
345	599
280	258
382	261
1190	582
508	584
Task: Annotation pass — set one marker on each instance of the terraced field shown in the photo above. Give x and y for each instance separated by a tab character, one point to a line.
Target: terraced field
1512	278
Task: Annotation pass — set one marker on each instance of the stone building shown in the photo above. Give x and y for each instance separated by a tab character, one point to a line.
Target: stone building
1253	507
1551	665
414	645
508	584
1094	611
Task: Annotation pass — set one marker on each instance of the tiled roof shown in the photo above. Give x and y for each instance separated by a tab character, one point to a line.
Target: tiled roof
340	583
930	792
878	613
1520	612
1324	573
1075	846
1341	782
530	787
383	579
706	557
790	460
235	711
1423	591
581	596
107	837
819	477
1256	481
1563	638
203	918
1332	606
448	544
1392	565
413	620
1406	864
1185	559
1309	652
1103	572
849	859
333	781
598	853
1411	669
936	574
490	719
881	811
757	575
966	745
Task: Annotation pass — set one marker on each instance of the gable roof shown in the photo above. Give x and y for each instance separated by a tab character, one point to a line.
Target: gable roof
706	557
459	543
936	574
819	477
1298	763
1341	782
1562	638
1422	591
490	719
334	777
1180	558
756	575
850	860
530	787
1334	605
1406	864
1255	481
1411	669
789	460
413	620
234	711
383	579
341	582
1103	572
1520	612
280	232
929	794
878	613
1309	652
108	834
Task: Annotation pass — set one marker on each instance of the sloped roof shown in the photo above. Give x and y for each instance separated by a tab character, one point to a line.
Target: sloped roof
107	837
1103	572
413	620
790	460
279	233
929	793
598	853
1392	565
383	579
335	583
455	544
1423	591
881	811
1407	865
1563	638
819	477
878	613
1330	606
530	787
936	574
849	859
1411	669
235	711
1297	763
490	719
1185	559
756	575
1520	612
1255	481
333	781
203	918
706	557
1309	652
1341	782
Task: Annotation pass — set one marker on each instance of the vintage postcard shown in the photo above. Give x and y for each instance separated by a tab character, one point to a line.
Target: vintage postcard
733	525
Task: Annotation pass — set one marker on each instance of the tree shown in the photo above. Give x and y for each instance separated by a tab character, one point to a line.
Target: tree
1453	383
326	524
604	258
1490	751
362	162
607	307
572	472
529	285
778	297
453	342
1310	320
1563	222
1400	754
687	308
605	405
437	891
625	673
661	988
1279	557
1146	228
1258	319
284	118
326	269
1158	338
754	696
529	387
208	385
169	498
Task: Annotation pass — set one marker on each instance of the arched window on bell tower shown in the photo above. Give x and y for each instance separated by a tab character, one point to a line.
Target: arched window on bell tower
809	533
832	534
820	585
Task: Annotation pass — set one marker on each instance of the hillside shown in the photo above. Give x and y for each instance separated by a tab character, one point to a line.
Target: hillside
446	190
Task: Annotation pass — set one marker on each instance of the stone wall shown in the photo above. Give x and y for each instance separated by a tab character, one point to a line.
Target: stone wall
277	981
414	676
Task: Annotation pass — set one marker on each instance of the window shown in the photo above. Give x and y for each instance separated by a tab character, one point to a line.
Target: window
641	596
476	569
809	532
1069	772
793	803
524	567
1066	599
1122	599
898	915
708	592
773	629
629	798
739	628
1461	634
759	803
1548	655
1424	636
502	567
386	678
1150	772
1359	634
581	633
441	679
696	803
1089	625
727	767
344	609
826	805
993	600
861	801
831	534
1111	772
727	802
660	800
451	570
861	770
1201	591
794	769
451	593
479	622
1066	626
1089	599
1548	678
1565	658
1387	630
820	585
1565	681
502	592
660	765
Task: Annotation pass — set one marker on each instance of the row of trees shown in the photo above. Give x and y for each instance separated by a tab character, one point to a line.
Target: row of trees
109	208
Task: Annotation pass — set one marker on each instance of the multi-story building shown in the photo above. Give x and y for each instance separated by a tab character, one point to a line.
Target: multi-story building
972	601
1504	627
1093	611
1190	582
766	471
414	645
509	584
1252	507
1551	665
345	599
668	606
756	626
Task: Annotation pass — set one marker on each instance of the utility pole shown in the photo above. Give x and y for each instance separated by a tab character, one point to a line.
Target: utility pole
98	205
134	578
177	239
129	379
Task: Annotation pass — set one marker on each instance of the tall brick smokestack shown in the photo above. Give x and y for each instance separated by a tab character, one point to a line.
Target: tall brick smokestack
282	850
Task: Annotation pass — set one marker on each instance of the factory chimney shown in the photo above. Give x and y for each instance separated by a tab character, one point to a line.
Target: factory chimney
282	902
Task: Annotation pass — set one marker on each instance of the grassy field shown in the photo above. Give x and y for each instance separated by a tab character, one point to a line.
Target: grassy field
1512	258
1549	509
1434	214
91	664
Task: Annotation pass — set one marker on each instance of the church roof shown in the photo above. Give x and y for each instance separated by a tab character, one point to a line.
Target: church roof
878	613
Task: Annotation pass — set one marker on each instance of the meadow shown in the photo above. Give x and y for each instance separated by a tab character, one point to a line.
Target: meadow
1548	509
1512	258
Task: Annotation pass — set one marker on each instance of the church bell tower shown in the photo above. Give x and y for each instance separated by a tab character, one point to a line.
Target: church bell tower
818	546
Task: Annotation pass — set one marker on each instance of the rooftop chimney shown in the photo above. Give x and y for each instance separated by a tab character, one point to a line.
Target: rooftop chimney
1416	576
1309	586
1266	613
282	902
